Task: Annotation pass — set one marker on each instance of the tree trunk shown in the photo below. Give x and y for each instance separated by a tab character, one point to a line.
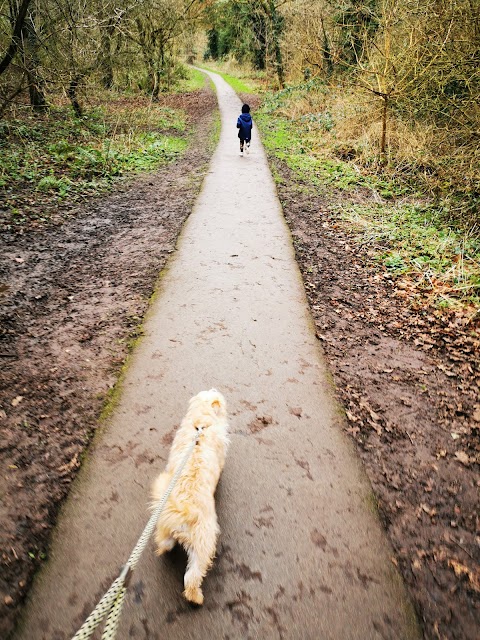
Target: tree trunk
72	94
260	21
155	80
327	56
383	143
277	32
161	69
35	90
18	23
279	64
106	63
148	58
36	84
10	98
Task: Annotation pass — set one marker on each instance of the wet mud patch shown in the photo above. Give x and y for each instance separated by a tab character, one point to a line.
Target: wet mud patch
259	423
241	610
408	378
318	539
73	298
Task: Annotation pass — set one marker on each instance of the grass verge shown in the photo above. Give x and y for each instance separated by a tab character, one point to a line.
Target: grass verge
407	233
246	83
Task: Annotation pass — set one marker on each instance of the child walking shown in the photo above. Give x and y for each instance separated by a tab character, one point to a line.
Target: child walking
244	125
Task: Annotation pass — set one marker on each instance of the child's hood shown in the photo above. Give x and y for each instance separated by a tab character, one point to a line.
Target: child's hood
246	118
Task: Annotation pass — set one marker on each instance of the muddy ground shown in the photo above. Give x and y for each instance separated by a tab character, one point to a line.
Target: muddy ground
409	379
73	296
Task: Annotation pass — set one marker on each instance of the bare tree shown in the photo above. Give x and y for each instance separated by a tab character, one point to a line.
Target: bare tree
159	25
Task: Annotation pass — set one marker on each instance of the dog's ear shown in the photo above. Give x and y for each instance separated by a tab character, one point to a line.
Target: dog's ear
218	402
217	406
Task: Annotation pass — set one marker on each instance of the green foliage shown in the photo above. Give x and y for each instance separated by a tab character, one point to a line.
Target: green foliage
292	142
56	157
147	152
411	238
322	121
277	100
51	183
357	22
394	262
250	32
241	29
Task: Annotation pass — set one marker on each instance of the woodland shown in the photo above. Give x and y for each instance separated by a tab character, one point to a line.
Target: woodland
402	76
369	112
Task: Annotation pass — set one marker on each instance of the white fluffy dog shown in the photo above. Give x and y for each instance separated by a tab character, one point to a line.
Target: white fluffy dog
189	517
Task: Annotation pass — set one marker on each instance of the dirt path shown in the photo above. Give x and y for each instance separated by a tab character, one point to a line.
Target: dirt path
302	553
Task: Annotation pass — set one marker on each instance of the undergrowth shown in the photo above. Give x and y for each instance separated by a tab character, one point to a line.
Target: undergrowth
409	234
193	81
344	123
58	158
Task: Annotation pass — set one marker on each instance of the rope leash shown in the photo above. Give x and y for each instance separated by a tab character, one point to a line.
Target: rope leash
111	603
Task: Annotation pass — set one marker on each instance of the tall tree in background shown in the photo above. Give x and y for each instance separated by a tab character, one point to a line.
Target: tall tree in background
110	18
357	21
12	26
422	63
159	26
277	25
49	45
251	30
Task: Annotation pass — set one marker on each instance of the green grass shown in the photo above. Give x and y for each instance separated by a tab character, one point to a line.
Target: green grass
217	129
194	81
57	157
293	142
409	239
239	85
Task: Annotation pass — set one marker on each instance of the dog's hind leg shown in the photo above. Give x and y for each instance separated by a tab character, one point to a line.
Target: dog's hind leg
164	539
163	535
200	556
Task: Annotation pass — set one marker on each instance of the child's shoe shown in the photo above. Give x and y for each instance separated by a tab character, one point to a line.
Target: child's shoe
247	148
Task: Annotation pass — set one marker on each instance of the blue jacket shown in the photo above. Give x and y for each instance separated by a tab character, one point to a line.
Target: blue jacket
245	124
